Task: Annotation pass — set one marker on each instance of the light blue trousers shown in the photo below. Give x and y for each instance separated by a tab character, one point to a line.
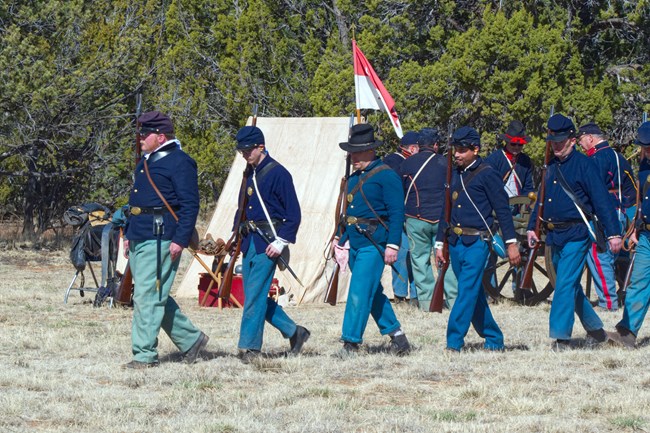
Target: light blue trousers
568	297
154	309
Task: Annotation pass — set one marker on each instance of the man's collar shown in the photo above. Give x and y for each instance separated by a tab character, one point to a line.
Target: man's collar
473	165
162	146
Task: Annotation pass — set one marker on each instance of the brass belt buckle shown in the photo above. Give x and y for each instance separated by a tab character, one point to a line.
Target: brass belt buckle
647	226
135	210
550	226
352	220
458	231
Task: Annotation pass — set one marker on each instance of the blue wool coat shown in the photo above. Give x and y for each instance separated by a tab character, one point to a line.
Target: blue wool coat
175	176
427	194
279	195
523	168
487	193
582	176
384	193
605	158
394	160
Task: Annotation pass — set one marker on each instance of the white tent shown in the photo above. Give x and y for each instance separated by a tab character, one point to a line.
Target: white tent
308	148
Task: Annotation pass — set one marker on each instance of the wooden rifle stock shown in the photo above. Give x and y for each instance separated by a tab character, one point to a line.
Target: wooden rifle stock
333	286
124	293
437	300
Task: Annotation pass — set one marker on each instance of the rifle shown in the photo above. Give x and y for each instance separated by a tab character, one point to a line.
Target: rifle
526	282
339	217
235	239
124	292
438	291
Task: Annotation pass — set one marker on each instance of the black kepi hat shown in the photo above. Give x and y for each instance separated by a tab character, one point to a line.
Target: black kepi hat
643	135
560	128
590	128
515	133
155	122
362	138
249	137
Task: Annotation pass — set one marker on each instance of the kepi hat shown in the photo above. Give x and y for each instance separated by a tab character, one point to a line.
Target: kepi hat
515	133
643	135
362	138
155	122
409	138
249	137
466	136
560	128
590	128
429	136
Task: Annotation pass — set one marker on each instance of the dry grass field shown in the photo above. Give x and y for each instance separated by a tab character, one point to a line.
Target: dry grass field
61	372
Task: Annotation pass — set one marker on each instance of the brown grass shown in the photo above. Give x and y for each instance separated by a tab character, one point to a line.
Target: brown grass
61	372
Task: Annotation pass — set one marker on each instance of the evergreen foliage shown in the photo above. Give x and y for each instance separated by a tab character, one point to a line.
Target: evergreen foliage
72	70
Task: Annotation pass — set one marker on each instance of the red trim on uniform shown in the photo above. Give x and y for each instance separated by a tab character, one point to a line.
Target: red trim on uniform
599	268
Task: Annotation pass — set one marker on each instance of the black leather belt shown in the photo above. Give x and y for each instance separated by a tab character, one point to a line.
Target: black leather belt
561	225
358	220
467	231
158	210
263	225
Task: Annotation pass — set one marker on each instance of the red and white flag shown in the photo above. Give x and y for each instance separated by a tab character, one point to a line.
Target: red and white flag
370	92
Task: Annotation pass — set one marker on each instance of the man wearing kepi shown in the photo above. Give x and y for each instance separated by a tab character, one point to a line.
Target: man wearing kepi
477	193
424	176
616	174
573	196
155	241
273	207
403	281
637	297
373	230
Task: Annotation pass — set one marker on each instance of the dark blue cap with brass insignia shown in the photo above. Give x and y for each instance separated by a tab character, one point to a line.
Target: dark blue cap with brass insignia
466	136
362	138
409	138
643	135
589	129
155	122
249	137
429	136
560	128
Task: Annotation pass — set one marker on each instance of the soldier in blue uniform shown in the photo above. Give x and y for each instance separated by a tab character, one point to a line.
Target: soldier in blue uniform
568	234
616	174
403	274
273	207
373	231
155	241
637	297
477	192
514	166
424	176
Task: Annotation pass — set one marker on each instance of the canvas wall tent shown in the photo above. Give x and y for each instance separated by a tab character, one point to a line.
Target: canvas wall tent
308	148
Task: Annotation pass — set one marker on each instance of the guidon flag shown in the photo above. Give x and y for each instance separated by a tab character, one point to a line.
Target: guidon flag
369	90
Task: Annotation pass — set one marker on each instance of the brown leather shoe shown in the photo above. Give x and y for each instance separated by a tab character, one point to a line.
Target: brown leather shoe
138	365
298	339
622	338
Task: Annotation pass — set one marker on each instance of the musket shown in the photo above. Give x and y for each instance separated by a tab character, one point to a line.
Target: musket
526	281
339	217
437	299
124	293
234	243
268	241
